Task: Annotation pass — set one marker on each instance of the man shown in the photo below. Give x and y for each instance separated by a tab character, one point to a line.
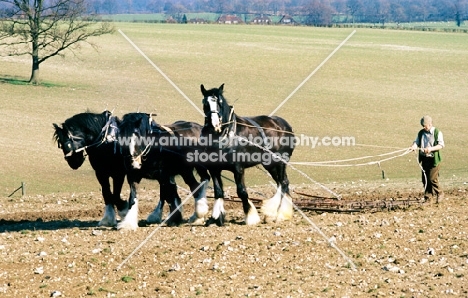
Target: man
430	141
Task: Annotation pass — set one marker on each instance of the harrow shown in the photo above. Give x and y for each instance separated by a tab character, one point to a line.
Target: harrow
326	204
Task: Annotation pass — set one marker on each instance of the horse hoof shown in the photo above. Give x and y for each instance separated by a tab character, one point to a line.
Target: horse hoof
252	220
218	221
127	226
284	217
107	223
201	208
269	219
174	221
252	217
154	218
195	220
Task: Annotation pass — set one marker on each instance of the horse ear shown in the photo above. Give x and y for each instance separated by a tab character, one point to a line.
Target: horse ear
221	88
58	134
203	90
58	130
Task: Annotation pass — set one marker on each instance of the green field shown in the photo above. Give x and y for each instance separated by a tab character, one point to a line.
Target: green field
375	88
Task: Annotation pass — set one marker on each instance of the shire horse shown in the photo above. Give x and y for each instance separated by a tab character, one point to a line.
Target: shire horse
159	152
96	134
244	142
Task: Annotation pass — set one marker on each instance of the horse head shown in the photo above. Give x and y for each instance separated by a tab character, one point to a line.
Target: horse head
79	132
134	128
70	142
217	110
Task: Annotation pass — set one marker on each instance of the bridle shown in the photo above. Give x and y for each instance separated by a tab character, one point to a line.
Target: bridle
231	123
107	135
215	108
139	157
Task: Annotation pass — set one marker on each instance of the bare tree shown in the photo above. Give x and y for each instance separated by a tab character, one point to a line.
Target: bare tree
354	7
46	28
319	12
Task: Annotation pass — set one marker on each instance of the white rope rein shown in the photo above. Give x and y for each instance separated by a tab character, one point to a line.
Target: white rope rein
332	163
422	170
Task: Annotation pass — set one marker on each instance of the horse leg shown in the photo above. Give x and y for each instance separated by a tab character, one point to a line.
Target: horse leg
218	215
109	219
122	205
285	211
168	191
130	221
270	206
251	214
199	194
156	216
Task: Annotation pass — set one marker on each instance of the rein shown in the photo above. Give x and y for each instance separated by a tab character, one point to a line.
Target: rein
231	129
143	153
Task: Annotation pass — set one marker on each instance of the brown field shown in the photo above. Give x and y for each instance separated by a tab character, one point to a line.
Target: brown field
51	244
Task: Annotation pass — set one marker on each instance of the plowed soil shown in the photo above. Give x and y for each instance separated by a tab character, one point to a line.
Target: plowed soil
50	246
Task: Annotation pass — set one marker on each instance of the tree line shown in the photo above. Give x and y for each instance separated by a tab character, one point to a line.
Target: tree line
315	11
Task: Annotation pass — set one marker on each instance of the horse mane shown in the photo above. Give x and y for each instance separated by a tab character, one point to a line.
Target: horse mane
226	108
131	121
83	123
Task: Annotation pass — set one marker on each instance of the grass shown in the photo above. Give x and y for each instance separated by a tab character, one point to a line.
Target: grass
22	82
375	88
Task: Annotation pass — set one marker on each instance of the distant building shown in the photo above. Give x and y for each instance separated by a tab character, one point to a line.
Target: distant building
229	19
287	20
261	20
197	21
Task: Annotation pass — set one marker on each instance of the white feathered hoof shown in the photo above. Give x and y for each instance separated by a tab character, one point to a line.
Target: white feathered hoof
218	215
252	218
270	207
130	222
285	211
127	225
218	221
201	208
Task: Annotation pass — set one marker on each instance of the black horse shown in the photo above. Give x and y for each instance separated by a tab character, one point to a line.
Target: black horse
159	152
96	134
240	143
